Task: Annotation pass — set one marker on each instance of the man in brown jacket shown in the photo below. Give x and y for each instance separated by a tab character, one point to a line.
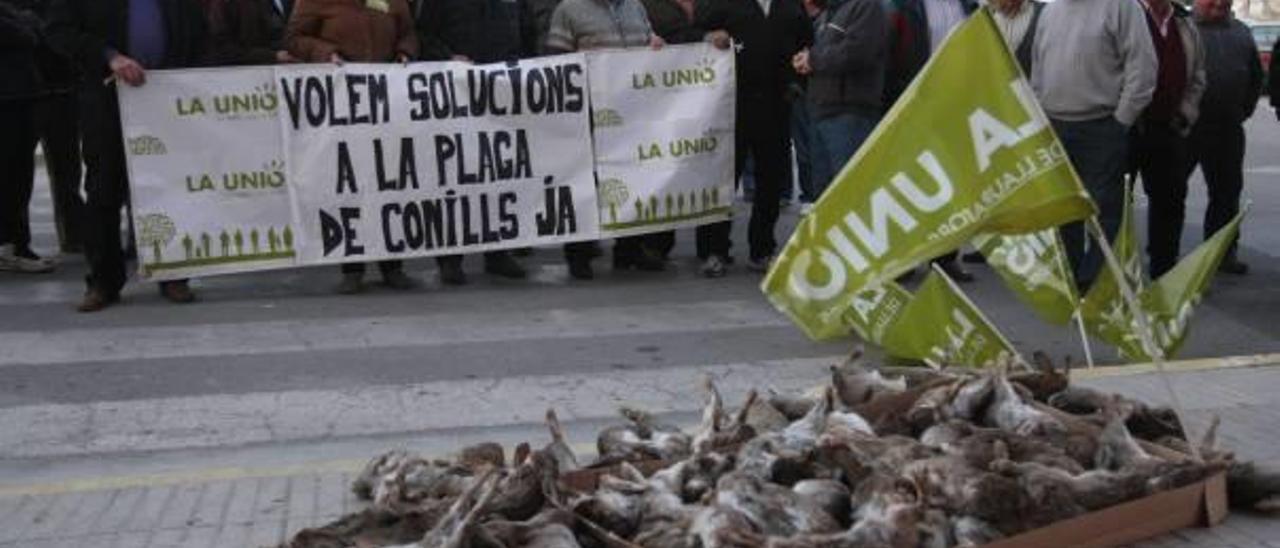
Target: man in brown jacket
360	31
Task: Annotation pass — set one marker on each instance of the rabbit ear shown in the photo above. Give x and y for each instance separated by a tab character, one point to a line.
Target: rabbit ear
1209	441
553	424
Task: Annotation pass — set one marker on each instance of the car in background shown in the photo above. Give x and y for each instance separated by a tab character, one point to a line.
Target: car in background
1264	35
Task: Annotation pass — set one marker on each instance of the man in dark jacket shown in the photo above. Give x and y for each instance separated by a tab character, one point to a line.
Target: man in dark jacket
1217	139
766	35
21	85
248	32
846	67
916	29
115	42
476	31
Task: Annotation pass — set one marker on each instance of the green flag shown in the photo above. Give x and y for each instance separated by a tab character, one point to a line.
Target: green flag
942	326
1106	314
974	154
1035	267
874	310
1170	299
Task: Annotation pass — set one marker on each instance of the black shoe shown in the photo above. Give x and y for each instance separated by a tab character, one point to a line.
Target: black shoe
580	269
1233	266
501	264
642	261
974	257
956	272
451	272
177	292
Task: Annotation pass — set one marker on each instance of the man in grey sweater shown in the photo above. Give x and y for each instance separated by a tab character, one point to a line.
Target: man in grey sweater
1094	71
1217	138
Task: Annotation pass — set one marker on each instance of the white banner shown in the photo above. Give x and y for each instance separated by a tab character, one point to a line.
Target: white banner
664	130
207	173
432	158
243	169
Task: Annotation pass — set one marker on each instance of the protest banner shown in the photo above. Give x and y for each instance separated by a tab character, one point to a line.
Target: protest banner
938	170
664	137
394	161
243	169
1035	267
943	327
209	187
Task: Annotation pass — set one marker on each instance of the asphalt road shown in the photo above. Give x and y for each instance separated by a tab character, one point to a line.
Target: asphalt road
273	369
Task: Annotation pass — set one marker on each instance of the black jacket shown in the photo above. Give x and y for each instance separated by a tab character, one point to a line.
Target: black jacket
767	43
848	59
20	36
246	32
1273	78
486	31
1233	74
670	22
909	43
85	29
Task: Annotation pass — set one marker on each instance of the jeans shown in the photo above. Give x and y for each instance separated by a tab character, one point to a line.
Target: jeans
1161	158
1219	151
838	138
1099	150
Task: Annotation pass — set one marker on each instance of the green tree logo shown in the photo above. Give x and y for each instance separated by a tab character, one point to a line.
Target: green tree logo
156	230
614	193
288	238
239	238
253	239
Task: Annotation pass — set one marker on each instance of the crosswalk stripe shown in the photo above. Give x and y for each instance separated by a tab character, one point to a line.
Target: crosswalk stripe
238	419
322	334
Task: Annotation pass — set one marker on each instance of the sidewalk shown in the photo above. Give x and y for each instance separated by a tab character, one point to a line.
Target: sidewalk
233	507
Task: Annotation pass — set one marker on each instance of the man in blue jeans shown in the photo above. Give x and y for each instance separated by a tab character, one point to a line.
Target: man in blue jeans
846	68
1094	70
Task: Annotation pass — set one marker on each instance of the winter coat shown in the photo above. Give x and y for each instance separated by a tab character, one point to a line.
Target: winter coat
246	32
87	30
20	36
352	29
485	31
766	42
670	21
848	60
909	43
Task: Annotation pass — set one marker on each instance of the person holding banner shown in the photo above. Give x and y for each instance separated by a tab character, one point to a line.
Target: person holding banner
766	35
360	31
917	29
116	42
1094	71
476	31
1217	138
578	25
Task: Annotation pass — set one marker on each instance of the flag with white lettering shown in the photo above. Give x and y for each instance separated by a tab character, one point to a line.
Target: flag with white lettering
942	326
1035	267
873	310
1106	314
938	170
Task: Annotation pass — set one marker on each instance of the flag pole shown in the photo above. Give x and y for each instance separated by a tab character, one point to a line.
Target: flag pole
1145	330
1084	337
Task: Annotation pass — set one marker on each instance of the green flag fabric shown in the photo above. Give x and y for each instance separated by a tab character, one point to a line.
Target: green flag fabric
965	150
874	310
1106	314
1169	300
1035	267
940	325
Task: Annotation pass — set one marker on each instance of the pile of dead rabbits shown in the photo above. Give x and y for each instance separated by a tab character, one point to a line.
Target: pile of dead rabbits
877	457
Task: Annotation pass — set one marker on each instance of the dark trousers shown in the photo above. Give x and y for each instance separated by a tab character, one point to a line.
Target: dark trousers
1099	151
1160	155
17	172
383	266
58	127
1219	151
106	187
763	131
457	259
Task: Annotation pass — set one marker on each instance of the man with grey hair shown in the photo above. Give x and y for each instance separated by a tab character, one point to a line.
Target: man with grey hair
1094	70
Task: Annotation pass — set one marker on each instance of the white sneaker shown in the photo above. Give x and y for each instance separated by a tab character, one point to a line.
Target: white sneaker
714	267
11	262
